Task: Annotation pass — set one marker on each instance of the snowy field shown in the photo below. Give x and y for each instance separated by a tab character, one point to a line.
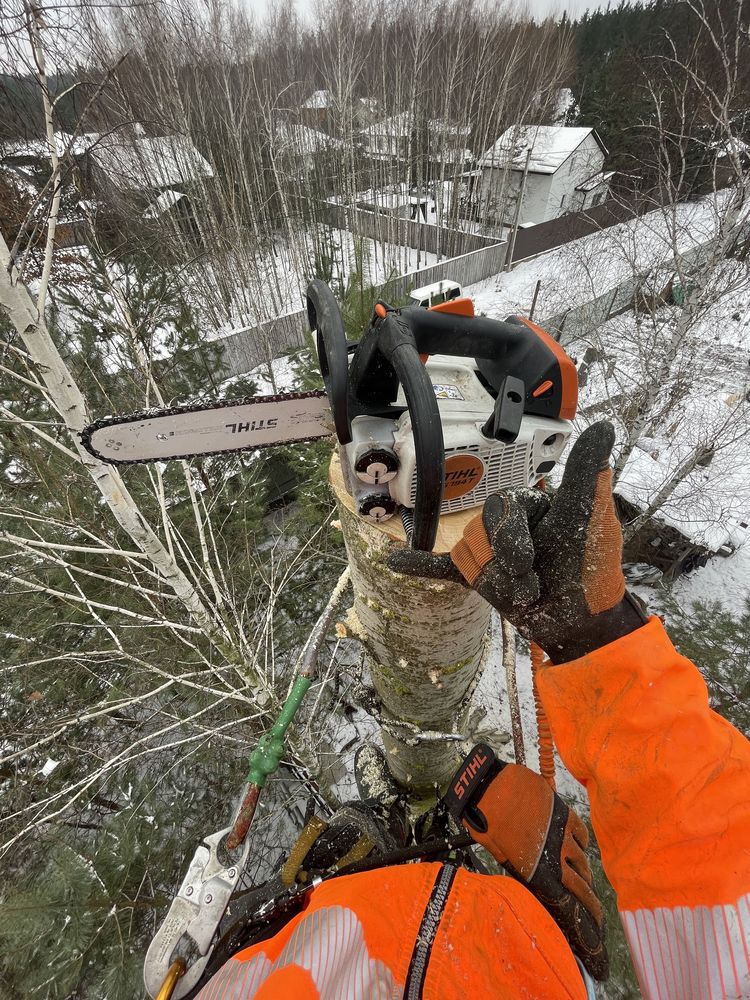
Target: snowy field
710	371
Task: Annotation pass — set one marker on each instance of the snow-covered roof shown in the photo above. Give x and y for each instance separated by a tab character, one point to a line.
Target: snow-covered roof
162	203
147	162
600	177
38	149
25	149
401	125
303	139
320	100
550	147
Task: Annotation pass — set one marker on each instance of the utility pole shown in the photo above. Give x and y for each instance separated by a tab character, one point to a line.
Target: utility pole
512	247
424	640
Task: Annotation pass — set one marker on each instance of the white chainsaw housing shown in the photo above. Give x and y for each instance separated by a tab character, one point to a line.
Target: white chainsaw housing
476	466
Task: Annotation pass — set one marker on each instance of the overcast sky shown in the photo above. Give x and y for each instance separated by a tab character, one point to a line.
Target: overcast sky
539	8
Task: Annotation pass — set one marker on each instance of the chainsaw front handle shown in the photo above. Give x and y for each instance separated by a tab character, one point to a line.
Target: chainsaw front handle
397	345
324	317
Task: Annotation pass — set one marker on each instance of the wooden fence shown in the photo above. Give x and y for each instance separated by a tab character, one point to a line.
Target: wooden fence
547	235
386	227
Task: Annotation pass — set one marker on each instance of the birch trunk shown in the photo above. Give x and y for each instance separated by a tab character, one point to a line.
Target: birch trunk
67	399
424	640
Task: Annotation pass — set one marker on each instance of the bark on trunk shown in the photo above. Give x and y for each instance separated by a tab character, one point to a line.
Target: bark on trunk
424	639
68	400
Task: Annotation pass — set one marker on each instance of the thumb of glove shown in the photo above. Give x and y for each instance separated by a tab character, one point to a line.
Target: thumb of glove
414	562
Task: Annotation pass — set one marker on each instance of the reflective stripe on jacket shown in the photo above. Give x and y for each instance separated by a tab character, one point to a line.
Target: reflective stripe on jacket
375	936
669	786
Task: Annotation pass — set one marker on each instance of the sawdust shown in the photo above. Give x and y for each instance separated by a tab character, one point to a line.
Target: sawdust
353	624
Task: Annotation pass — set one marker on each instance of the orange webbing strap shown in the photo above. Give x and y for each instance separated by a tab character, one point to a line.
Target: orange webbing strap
544	733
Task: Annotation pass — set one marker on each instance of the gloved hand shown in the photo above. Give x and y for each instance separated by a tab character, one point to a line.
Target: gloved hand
513	813
552	568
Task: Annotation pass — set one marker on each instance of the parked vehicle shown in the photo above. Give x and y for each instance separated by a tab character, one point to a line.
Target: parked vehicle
434	294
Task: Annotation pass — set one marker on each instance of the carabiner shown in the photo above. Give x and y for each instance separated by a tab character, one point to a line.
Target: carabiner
188	931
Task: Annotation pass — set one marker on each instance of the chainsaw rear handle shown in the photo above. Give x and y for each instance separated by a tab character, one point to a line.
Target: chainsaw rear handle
324	316
397	346
514	347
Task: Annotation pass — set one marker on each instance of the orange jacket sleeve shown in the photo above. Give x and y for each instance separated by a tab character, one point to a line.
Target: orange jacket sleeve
669	786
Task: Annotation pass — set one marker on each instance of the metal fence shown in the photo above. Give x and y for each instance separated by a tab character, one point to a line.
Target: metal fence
576	323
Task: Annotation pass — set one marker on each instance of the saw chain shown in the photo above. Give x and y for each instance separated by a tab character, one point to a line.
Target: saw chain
214	404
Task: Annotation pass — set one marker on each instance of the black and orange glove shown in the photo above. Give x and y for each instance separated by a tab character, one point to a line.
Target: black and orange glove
552	568
538	839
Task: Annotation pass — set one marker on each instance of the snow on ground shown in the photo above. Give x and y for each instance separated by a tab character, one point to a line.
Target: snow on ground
281	277
710	373
704	403
584	269
724	580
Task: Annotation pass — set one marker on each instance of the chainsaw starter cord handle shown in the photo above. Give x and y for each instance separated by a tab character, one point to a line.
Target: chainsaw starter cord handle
397	345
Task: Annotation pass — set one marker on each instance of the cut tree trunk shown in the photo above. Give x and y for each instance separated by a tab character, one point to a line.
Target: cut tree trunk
425	641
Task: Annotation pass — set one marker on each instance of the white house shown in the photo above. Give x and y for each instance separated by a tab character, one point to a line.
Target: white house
443	142
552	168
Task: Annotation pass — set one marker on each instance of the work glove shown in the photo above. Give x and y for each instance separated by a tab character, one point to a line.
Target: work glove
541	842
551	567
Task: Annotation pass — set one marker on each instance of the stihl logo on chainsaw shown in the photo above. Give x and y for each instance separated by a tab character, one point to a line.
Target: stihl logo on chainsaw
253	425
464	781
462	474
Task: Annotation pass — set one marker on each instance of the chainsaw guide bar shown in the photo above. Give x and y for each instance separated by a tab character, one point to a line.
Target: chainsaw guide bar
215	427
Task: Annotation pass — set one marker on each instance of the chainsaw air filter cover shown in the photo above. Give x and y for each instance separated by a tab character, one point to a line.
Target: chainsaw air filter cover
475	465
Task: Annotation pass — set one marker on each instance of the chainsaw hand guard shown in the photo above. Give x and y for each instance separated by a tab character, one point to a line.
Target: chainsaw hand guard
324	317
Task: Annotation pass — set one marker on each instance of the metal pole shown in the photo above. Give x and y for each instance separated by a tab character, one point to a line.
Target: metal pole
512	247
533	301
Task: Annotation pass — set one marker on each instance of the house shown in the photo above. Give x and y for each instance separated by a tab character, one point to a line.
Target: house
551	168
301	147
404	136
25	169
321	110
142	163
318	110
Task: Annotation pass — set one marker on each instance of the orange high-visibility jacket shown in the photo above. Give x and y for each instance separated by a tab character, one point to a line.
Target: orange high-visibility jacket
669	786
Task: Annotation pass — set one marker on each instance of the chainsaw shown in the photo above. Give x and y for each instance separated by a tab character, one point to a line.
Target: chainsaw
433	410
